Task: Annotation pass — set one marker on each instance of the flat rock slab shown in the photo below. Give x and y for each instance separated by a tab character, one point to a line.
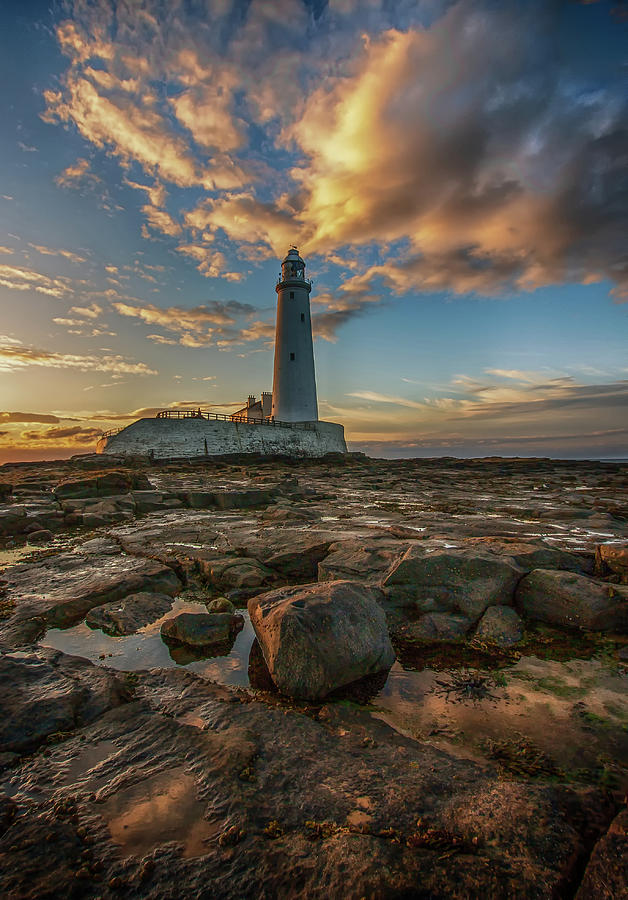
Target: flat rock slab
126	616
60	590
317	638
47	692
529	555
576	601
102	485
363	560
306	807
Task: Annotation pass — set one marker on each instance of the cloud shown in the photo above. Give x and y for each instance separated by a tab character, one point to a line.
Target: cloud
50	251
20	278
341	307
14	357
87	312
27	148
76	174
450	138
28	417
247	220
211	262
386	398
133	132
72	435
206	110
482	169
161	220
476	412
199	326
160	339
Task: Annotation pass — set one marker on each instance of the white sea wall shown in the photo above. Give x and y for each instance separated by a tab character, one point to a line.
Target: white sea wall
190	437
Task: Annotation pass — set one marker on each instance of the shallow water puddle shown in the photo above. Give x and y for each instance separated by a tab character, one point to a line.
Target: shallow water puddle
573	713
576	712
156	811
146	649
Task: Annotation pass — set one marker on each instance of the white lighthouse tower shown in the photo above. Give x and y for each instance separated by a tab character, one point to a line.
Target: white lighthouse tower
294	381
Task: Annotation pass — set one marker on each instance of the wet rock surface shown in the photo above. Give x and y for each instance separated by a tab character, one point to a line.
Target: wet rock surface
128	615
480	766
60	590
500	625
565	598
201	629
320	637
45	693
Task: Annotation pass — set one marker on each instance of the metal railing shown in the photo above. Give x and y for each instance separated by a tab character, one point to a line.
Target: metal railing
110	433
219	417
309	281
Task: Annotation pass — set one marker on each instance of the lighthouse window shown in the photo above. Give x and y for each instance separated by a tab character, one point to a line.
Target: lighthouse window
292	357
303	317
292	295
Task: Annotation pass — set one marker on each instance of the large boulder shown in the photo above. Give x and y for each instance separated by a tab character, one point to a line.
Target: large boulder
319	637
202	629
565	598
126	616
451	580
500	625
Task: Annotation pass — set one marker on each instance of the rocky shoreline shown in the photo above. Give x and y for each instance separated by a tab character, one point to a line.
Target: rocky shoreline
489	761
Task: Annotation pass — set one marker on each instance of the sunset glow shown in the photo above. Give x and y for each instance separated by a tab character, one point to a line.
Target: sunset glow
453	172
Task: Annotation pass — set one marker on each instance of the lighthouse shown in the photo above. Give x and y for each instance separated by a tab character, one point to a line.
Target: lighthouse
285	424
294	381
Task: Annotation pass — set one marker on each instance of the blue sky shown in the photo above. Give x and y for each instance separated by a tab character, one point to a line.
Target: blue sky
454	174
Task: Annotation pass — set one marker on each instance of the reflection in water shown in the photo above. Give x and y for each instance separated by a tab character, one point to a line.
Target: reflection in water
147	650
156	811
576	712
573	710
183	654
259	676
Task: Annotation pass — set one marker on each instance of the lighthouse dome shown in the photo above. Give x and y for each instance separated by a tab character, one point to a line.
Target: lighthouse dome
292	266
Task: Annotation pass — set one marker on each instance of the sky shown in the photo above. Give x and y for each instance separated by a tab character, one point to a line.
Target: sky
455	175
